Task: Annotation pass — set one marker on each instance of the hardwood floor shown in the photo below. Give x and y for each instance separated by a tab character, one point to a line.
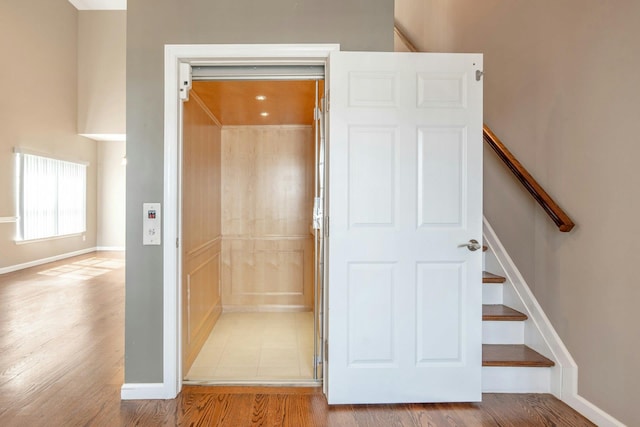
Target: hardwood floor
209	406
61	364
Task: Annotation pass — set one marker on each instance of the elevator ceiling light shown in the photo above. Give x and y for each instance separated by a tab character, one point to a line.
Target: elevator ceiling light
261	97
264	114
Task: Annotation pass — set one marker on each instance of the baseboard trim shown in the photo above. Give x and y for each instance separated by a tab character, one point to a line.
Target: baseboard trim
110	248
592	412
145	391
37	262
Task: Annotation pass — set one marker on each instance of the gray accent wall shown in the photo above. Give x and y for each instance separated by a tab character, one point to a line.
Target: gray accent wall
358	25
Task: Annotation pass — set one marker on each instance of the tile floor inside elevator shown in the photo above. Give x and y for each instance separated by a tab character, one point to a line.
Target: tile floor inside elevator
257	347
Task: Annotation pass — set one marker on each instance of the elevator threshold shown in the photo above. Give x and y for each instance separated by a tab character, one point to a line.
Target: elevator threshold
256	383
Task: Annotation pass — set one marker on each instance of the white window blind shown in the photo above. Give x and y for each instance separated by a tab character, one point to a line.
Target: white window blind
52	197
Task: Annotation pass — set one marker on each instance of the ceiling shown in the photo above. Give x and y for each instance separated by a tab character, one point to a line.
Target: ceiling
234	103
99	4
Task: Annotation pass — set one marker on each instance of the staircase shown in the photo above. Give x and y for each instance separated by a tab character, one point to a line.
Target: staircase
508	364
518	339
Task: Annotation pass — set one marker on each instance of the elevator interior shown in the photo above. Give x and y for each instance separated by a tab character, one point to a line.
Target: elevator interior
252	178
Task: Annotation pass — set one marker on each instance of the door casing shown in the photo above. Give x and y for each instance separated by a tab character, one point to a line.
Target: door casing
302	54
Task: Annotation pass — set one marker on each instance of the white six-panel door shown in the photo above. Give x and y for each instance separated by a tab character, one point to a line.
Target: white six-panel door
405	192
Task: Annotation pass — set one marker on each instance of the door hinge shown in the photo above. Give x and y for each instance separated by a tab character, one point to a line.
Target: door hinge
326	349
479	75
328	102
184	85
326	226
177	242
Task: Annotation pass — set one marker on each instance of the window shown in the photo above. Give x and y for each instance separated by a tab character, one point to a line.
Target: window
52	197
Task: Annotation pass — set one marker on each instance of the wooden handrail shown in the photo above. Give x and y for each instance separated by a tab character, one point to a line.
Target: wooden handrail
552	209
559	217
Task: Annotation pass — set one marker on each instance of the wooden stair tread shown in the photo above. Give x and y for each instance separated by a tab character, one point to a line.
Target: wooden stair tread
513	355
492	278
499	312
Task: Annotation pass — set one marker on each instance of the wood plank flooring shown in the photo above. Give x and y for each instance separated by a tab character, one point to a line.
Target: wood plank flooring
61	364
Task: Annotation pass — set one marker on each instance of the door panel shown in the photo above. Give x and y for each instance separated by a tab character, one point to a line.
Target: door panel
405	180
371	164
370	321
441	154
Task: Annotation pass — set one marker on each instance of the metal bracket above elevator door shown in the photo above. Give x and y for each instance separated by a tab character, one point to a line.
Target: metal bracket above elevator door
185	81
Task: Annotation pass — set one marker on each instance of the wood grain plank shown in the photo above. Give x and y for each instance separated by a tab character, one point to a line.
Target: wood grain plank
492	278
234	103
201	228
500	312
513	355
267	196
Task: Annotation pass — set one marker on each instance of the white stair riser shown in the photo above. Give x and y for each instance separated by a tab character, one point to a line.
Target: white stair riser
502	332
492	293
516	380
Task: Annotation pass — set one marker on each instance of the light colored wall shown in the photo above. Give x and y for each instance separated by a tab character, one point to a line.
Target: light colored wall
111	195
561	90
38	107
356	24
102	53
267	194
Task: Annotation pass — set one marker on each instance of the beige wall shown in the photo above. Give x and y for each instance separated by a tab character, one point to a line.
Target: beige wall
38	110
356	24
111	195
561	89
102	53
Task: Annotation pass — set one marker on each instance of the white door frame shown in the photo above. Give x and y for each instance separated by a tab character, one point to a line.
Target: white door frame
258	54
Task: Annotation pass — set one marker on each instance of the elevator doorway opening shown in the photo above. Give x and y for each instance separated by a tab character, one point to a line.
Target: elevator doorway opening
252	194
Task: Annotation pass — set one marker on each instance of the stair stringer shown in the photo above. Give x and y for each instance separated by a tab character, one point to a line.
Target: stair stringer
539	333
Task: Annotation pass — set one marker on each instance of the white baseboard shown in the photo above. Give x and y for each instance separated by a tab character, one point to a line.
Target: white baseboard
592	412
110	248
37	262
145	391
596	415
